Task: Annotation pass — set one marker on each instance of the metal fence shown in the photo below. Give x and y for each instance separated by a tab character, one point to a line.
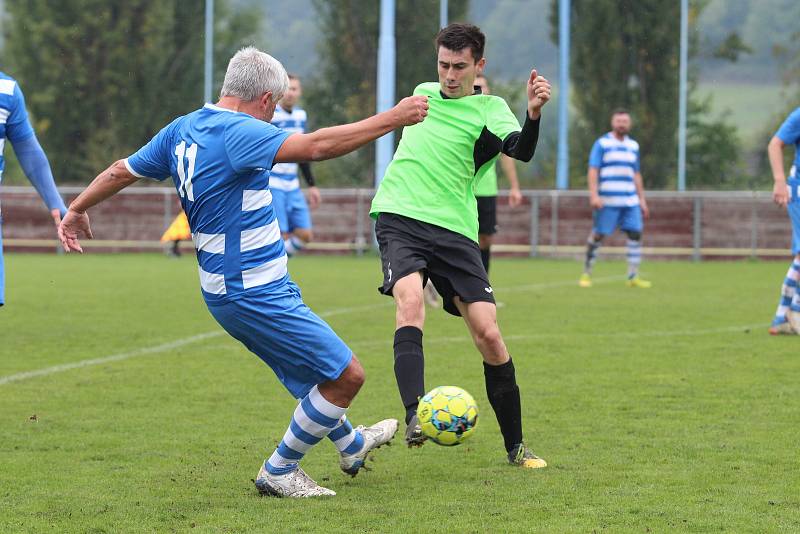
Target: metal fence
696	225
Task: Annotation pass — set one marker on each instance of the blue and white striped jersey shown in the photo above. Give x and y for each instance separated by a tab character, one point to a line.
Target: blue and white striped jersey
14	124
789	133
284	175
617	162
220	162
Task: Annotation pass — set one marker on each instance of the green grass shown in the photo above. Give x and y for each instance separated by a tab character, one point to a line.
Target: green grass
661	410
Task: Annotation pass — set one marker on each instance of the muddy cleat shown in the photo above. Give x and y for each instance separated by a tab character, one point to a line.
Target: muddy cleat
296	484
585	280
414	435
430	295
793	320
782	329
638	282
522	456
374	436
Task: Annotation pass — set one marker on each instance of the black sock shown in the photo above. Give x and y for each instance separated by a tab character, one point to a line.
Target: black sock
409	367
503	393
486	254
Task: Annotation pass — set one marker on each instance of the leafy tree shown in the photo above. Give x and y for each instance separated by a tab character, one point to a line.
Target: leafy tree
343	89
625	54
102	77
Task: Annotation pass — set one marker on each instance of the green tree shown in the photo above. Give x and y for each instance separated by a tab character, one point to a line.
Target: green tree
100	78
343	88
625	54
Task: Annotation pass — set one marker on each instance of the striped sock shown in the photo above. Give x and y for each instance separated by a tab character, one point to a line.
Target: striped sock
313	419
591	254
634	257
788	293
345	437
293	245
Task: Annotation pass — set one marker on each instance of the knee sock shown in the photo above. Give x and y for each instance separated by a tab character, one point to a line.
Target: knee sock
788	292
634	257
486	255
293	245
347	439
409	367
503	393
313	419
591	254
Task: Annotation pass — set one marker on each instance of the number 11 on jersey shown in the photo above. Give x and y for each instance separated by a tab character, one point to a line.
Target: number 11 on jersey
185	174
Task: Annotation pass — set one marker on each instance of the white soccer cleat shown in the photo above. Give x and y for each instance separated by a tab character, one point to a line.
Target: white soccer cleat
793	319
374	436
296	484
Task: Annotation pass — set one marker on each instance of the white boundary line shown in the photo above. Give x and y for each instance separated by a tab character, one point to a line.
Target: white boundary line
25	375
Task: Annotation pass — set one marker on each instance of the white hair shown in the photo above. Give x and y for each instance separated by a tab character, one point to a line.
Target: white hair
251	73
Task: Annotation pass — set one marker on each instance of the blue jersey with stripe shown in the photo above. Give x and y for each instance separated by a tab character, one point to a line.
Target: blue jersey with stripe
284	175
220	161
617	162
789	133
14	123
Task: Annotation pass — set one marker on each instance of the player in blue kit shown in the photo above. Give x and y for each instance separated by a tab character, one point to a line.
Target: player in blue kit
219	158
616	194
290	205
15	126
786	193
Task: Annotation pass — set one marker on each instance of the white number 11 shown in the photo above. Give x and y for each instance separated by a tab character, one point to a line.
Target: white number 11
185	175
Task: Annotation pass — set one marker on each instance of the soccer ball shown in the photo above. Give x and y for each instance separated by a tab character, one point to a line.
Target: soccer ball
447	415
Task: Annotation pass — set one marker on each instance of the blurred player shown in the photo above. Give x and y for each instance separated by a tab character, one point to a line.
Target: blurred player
290	205
15	126
787	195
177	231
427	224
219	159
616	194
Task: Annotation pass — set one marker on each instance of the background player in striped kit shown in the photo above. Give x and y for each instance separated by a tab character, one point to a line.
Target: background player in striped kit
291	208
15	126
616	194
785	194
219	159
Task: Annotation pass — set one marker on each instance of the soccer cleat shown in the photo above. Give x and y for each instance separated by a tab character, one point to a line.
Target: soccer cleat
585	280
793	319
522	456
431	296
414	435
295	484
638	282
374	436
782	329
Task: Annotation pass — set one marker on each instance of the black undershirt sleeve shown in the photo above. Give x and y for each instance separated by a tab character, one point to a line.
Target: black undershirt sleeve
522	145
305	169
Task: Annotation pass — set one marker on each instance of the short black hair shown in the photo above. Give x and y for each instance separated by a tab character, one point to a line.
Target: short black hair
620	111
458	36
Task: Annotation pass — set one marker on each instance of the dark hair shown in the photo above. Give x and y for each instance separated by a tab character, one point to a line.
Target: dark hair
458	36
620	111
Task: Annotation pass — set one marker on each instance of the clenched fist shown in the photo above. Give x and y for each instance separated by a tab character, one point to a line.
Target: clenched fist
538	94
411	110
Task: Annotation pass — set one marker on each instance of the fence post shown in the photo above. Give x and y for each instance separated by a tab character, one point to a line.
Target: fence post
697	238
534	237
753	227
554	222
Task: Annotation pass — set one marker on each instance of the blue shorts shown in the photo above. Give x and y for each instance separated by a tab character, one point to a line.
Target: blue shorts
291	210
281	330
794	215
626	218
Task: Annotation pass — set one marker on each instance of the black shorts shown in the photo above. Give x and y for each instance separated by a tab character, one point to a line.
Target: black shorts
451	260
487	215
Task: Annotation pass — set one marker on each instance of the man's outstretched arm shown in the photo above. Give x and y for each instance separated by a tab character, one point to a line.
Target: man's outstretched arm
327	143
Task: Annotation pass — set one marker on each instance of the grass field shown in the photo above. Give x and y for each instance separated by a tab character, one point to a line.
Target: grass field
663	410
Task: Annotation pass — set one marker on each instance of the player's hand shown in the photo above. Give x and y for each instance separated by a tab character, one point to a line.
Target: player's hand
314	197
55	213
538	94
780	193
411	110
645	209
73	226
595	202
514	197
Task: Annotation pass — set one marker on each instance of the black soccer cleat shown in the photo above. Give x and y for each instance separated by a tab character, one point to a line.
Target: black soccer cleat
414	435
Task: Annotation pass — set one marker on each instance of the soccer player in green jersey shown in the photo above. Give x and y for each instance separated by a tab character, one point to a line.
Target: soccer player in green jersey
427	224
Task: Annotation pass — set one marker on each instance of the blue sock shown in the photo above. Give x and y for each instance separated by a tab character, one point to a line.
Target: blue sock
346	438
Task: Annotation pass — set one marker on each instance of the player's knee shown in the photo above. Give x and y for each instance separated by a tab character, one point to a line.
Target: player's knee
305	235
353	376
488	336
634	236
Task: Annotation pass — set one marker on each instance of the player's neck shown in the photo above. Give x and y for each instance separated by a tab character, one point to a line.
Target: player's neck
619	137
287	109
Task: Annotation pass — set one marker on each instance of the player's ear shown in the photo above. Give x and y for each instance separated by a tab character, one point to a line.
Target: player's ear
480	65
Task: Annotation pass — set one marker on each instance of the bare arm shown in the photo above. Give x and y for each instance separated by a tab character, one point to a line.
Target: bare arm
780	193
637	179
594	195
76	223
510	170
335	141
